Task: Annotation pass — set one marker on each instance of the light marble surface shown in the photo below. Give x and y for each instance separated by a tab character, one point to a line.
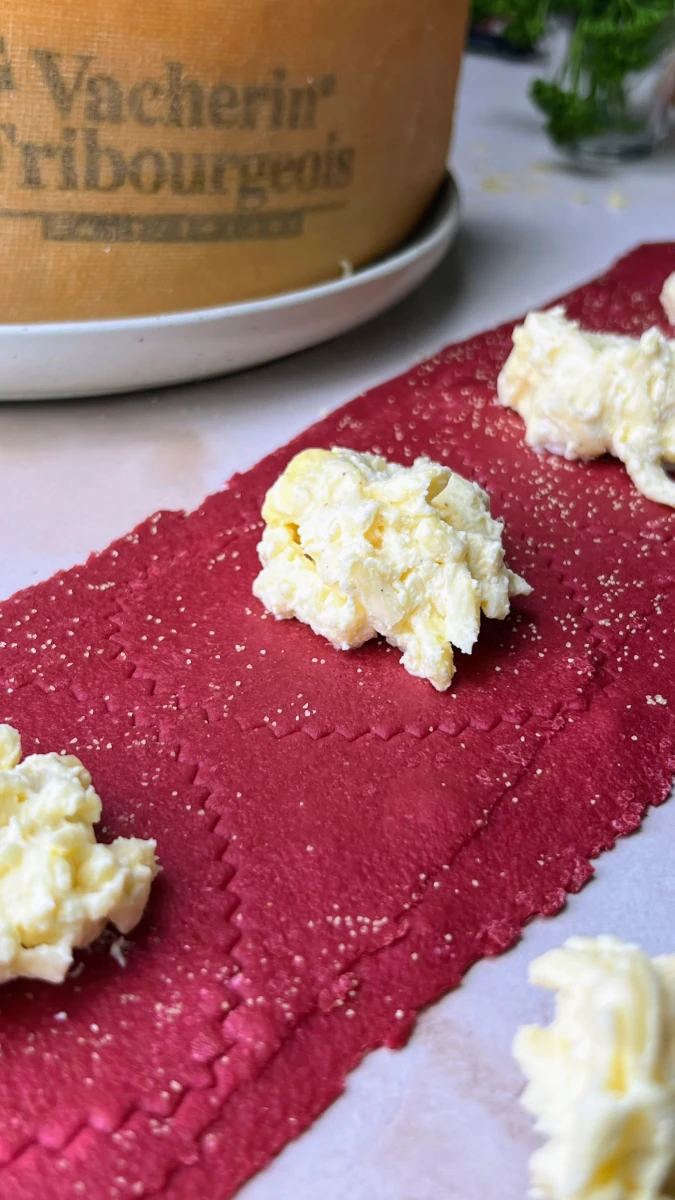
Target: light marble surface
440	1118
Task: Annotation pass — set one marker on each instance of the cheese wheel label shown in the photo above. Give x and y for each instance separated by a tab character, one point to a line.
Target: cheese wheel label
189	156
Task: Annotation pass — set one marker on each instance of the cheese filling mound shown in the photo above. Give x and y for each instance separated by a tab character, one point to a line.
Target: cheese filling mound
602	1075
58	885
668	298
356	546
583	394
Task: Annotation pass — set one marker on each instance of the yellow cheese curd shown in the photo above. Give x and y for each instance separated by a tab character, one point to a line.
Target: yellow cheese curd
602	1075
585	394
668	298
356	546
58	885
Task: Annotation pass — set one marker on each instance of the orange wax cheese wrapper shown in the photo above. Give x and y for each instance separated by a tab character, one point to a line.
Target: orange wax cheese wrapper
173	156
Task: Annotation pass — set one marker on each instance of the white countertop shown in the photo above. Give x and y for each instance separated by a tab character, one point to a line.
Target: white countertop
438	1119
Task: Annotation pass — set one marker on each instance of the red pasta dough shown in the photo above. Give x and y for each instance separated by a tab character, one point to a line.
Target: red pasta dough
339	841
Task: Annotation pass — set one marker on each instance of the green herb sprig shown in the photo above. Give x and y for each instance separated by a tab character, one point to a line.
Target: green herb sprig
610	39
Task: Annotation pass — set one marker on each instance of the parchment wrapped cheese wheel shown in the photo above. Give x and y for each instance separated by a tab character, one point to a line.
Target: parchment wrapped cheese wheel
187	153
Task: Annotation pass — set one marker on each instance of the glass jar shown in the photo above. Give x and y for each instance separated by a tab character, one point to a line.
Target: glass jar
609	92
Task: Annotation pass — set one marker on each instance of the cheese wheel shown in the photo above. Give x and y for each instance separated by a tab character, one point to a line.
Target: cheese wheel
178	155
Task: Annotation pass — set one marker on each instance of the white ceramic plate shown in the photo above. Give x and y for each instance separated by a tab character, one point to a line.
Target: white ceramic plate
90	358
